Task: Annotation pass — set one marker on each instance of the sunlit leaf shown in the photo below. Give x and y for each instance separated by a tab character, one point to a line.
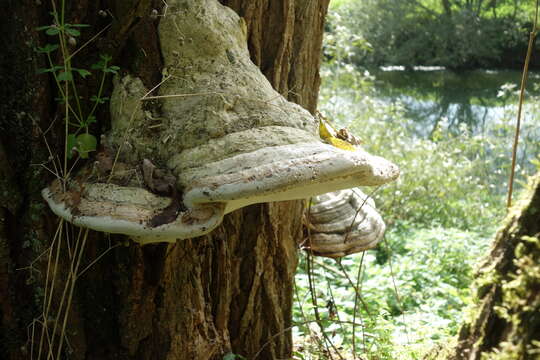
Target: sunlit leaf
85	144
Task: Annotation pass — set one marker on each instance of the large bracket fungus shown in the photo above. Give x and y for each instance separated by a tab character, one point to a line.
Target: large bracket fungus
222	136
341	223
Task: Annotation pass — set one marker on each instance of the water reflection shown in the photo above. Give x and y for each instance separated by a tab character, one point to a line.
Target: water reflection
430	97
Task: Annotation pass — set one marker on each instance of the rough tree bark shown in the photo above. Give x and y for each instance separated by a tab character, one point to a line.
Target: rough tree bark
505	323
199	299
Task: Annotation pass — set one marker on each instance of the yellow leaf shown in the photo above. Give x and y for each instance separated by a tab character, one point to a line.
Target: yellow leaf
327	134
341	144
324	131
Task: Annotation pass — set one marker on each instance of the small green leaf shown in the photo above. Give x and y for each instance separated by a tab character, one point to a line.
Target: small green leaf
85	144
43	71
71	143
65	76
73	32
98	66
90	120
62	99
53	69
52	30
105	57
47	48
41	28
79	25
111	69
83	72
99	100
231	356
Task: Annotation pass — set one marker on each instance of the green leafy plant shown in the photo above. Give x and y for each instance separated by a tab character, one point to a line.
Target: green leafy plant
48	329
78	136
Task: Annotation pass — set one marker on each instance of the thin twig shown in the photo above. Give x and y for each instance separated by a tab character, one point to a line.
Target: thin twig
97	259
32	339
62	299
398	298
72	166
309	265
71	290
532	37
48	169
177	95
145	96
358	211
333	305
88	42
51	156
358	277
304	317
47	301
356	291
316	307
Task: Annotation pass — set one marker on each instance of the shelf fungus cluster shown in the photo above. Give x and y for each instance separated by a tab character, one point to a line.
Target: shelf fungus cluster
215	139
341	223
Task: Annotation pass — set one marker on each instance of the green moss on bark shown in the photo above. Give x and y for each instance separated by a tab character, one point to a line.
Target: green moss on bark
520	305
505	323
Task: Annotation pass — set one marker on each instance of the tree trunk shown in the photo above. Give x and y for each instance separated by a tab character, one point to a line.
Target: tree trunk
505	324
230	291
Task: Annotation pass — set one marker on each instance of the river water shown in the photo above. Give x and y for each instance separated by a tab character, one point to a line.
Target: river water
430	95
476	107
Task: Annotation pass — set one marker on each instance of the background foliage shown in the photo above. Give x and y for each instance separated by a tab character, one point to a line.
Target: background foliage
455	34
414	288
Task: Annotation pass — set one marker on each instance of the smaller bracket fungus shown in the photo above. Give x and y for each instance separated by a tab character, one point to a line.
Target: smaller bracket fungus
342	223
221	138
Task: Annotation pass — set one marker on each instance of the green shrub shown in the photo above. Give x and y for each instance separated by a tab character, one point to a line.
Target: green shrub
409	33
